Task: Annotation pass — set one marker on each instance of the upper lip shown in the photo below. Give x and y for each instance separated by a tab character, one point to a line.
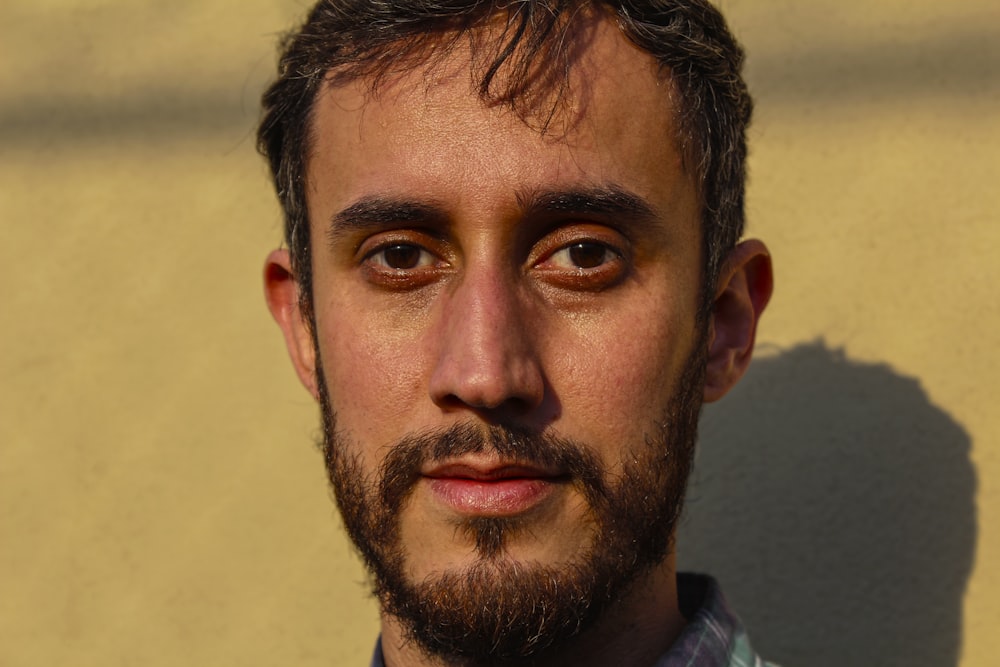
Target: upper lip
488	471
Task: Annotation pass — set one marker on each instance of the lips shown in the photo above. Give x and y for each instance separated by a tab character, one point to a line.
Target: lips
491	490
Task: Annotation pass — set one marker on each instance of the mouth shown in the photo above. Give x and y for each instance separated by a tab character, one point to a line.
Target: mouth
492	489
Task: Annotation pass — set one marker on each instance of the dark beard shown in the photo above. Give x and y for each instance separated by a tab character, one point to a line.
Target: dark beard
499	610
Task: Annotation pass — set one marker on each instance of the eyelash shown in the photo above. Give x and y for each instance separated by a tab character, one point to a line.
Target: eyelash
422	254
608	254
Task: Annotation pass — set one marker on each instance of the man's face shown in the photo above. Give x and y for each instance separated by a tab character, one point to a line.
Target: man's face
505	319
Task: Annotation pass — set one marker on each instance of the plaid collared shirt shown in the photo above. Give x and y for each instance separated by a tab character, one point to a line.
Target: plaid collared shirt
713	637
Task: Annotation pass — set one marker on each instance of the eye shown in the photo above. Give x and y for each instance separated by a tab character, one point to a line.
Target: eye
401	261
583	255
401	257
588	264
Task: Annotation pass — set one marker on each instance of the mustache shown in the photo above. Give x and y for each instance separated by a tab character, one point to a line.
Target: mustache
400	471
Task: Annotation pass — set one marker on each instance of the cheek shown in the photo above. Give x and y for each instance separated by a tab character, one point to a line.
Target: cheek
617	380
374	376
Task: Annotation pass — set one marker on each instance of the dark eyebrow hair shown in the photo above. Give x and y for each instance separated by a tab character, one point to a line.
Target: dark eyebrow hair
374	212
606	200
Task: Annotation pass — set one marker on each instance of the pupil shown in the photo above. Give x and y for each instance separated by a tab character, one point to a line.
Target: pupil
587	255
402	256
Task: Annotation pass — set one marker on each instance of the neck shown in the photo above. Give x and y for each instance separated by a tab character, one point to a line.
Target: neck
633	632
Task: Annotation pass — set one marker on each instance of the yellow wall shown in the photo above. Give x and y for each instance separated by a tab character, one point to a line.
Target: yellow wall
160	499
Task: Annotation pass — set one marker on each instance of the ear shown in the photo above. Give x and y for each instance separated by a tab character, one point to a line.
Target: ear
282	292
744	288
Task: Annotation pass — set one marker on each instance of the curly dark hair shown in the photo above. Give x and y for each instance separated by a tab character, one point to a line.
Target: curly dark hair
354	39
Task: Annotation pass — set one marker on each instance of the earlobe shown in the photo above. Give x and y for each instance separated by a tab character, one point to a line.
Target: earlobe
281	290
744	288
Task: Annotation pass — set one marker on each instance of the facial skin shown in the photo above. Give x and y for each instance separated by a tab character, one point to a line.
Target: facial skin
471	271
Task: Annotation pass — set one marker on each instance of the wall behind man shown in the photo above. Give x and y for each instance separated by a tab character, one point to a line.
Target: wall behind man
160	497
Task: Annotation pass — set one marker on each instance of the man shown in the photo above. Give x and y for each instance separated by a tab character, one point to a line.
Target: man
513	276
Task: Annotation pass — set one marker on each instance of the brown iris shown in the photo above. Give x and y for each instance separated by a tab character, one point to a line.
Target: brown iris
588	255
402	256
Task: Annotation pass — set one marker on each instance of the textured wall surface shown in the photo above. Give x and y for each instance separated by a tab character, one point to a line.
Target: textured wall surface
161	502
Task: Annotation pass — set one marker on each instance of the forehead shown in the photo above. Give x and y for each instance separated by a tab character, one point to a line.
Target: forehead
428	132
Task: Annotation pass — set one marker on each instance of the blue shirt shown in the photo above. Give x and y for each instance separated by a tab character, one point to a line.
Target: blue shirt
713	637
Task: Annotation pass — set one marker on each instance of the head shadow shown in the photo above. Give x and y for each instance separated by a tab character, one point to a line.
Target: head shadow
836	504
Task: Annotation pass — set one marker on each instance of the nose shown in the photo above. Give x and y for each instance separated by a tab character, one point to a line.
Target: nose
487	357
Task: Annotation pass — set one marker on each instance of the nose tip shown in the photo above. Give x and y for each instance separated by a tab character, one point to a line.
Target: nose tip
487	359
510	384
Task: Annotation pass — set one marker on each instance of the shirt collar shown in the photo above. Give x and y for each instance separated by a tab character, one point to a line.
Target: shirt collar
714	636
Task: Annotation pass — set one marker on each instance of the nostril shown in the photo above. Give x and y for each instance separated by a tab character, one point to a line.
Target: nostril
507	411
450	402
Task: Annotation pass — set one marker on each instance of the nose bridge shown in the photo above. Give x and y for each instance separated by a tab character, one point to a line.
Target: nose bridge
487	357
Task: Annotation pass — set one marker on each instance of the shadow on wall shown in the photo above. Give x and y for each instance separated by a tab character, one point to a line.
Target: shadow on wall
836	505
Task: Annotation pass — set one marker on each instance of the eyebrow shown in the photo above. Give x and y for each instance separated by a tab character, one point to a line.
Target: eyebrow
376	212
606	201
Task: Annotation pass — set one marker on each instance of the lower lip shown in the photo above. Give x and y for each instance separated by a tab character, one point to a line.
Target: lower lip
499	497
